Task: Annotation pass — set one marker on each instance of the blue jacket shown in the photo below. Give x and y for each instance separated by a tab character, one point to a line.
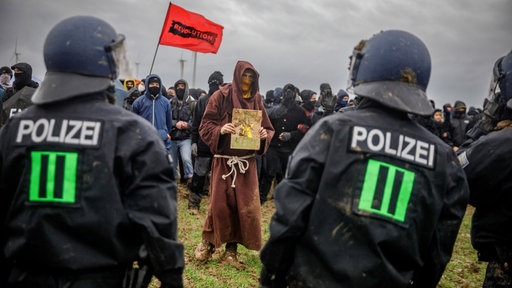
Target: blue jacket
157	110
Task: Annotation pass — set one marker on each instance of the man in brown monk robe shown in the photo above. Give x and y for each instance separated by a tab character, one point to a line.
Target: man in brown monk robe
234	214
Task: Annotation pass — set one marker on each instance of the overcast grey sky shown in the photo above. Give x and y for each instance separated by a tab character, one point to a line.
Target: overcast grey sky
288	41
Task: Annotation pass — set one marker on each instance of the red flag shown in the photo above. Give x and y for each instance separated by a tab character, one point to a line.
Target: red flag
190	30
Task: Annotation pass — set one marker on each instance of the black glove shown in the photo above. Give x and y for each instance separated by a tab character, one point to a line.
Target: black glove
270	280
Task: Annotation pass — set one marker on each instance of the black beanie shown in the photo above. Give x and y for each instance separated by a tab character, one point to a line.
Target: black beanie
216	77
153	80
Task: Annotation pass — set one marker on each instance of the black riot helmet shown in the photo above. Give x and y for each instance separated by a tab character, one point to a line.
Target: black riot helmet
392	68
82	55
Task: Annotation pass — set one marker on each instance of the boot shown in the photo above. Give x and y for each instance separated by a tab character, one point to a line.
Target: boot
231	256
204	251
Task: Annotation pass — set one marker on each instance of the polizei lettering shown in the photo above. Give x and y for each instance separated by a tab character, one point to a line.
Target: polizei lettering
180	29
66	131
393	144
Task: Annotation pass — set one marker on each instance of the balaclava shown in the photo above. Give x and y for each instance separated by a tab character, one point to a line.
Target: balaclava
306	100
288	95
180	92
154	91
22	79
214	81
328	101
459	114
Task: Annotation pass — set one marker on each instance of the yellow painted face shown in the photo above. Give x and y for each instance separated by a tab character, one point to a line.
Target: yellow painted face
246	83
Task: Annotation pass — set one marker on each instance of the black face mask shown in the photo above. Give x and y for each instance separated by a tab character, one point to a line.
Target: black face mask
154	90
20	80
309	105
288	98
180	93
459	114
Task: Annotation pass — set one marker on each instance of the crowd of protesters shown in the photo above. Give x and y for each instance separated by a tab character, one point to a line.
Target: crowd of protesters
178	114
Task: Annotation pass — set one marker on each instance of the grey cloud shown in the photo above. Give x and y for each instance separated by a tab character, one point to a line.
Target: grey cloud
300	42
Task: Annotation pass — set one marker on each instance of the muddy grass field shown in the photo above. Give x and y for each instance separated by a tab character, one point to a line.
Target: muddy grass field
463	271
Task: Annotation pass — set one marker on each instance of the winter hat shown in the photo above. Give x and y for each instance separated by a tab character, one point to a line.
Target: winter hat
342	93
459	104
325	86
216	78
6	70
153	80
306	95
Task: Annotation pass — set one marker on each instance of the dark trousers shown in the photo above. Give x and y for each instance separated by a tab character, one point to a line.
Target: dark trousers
273	166
202	167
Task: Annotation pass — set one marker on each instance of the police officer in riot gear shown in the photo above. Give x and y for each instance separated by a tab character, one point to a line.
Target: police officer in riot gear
86	187
371	198
486	160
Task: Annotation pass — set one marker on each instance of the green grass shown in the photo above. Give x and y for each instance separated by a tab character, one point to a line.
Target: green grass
463	271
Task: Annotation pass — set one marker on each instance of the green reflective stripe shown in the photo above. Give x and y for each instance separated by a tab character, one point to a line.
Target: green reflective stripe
370	187
50	176
46	192
35	174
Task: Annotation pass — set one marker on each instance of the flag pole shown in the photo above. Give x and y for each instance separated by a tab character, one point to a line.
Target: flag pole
154	56
194	73
160	38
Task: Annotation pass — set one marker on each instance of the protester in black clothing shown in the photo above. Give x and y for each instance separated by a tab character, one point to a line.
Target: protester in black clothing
459	122
370	198
326	102
22	79
442	127
288	120
86	187
133	94
341	100
309	104
486	158
427	121
269	99
182	106
200	150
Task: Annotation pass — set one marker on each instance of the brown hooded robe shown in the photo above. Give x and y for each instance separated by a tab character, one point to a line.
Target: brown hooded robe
234	214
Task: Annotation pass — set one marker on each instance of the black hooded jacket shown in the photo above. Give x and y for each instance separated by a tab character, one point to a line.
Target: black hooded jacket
21	80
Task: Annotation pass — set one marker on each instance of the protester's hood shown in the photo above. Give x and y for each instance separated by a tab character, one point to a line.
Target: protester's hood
240	67
26	68
187	92
146	83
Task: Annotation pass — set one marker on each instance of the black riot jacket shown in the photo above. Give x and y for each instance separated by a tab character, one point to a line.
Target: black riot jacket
487	163
370	199
84	184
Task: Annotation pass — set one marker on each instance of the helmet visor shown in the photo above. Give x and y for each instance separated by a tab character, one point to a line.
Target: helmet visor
120	63
398	95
